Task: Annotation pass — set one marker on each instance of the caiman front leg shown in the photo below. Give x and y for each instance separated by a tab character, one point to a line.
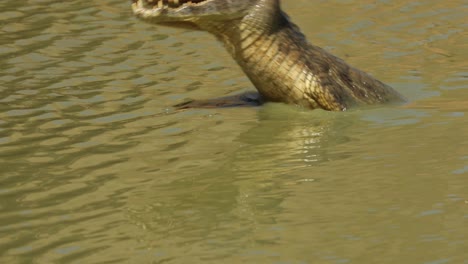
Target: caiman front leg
247	99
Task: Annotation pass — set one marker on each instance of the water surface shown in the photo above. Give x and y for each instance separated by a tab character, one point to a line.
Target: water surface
97	167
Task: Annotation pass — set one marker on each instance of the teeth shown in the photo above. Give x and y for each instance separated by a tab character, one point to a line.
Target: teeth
159	4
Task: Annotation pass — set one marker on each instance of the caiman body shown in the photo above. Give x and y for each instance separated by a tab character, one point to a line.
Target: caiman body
273	53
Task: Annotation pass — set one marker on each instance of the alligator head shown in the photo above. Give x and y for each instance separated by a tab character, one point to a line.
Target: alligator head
197	12
180	11
271	50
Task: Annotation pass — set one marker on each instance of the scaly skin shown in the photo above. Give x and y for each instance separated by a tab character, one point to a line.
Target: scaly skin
271	50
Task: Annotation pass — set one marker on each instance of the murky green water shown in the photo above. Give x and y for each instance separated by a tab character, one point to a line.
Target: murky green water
96	167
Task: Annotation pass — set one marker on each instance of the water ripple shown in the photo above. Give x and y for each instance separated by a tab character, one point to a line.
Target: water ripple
96	166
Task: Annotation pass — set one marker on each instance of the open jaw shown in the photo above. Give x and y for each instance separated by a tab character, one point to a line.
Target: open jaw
162	11
165	4
192	11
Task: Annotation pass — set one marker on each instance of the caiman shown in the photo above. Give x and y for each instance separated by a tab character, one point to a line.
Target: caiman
272	52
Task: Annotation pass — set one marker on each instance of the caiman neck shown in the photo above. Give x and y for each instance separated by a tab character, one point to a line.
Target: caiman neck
270	54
